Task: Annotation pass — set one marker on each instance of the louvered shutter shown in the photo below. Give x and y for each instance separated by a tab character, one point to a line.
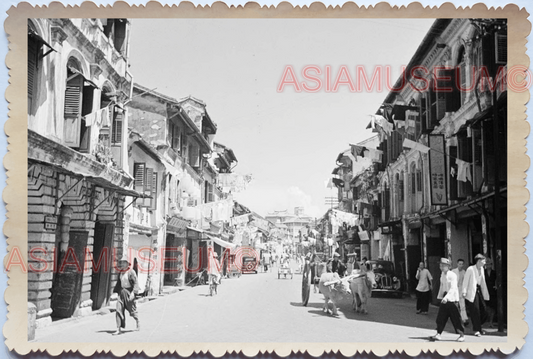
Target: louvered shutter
117	128
154	191
413	182
148	185
72	111
138	173
501	49
32	69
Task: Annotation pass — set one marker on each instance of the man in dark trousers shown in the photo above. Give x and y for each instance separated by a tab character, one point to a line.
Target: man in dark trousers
126	288
449	305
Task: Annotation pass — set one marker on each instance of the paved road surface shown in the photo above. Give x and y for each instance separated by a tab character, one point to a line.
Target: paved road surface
258	308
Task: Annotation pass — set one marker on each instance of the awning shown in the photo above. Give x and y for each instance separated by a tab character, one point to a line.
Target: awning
77	165
39	39
77	73
462	204
222	242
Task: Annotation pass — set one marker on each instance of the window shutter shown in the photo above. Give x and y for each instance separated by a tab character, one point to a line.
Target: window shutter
32	68
154	191
73	97
501	49
401	190
453	98
148	185
138	173
413	182
72	112
116	137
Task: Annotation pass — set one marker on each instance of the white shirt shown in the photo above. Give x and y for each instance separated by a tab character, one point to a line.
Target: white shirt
448	285
423	276
460	277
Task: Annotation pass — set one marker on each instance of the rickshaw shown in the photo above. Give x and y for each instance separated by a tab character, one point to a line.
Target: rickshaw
285	270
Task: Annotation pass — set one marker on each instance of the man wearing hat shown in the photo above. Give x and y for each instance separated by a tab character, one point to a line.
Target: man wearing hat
126	288
337	266
475	293
449	305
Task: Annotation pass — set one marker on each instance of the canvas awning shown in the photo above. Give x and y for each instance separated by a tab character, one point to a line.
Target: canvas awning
222	242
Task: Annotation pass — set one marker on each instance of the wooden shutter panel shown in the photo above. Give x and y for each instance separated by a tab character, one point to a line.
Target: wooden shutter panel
153	204
148	185
32	67
501	48
73	97
72	112
413	182
138	174
453	98
117	128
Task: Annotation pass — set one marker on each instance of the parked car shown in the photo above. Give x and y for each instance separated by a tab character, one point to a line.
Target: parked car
249	265
388	282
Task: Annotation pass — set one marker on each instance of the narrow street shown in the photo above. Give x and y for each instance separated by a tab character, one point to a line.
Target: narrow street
258	308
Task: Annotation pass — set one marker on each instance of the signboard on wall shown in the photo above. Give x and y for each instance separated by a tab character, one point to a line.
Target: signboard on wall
437	170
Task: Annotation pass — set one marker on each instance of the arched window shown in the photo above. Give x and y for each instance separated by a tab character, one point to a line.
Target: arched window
79	93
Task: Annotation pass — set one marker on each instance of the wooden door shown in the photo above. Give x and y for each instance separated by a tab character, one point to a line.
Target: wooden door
102	252
66	291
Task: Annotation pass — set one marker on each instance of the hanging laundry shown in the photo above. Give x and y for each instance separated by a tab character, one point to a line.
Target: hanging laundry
357	150
463	171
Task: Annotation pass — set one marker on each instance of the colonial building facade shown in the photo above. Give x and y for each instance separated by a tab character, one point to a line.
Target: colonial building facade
77	85
440	187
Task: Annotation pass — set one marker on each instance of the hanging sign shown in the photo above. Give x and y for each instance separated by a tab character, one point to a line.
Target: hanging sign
437	170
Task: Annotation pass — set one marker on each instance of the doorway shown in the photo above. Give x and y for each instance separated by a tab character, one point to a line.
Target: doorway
102	256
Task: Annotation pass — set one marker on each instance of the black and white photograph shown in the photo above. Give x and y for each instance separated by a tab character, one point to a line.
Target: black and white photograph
228	180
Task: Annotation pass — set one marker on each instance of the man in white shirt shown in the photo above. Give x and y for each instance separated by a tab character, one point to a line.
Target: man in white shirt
460	272
449	307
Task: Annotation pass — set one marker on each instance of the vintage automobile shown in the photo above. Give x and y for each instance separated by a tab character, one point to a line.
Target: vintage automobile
249	265
388	282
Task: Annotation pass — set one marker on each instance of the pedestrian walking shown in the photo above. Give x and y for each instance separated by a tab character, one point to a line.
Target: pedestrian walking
492	304
449	305
213	267
126	288
423	289
266	261
460	272
476	293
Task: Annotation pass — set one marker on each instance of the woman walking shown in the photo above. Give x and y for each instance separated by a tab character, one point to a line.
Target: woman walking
423	289
476	293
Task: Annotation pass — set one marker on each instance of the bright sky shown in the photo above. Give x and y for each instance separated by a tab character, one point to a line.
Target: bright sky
288	141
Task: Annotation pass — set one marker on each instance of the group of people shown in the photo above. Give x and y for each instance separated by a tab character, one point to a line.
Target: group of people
461	291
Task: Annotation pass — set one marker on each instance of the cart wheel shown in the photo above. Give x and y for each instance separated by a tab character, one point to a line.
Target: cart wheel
306	284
